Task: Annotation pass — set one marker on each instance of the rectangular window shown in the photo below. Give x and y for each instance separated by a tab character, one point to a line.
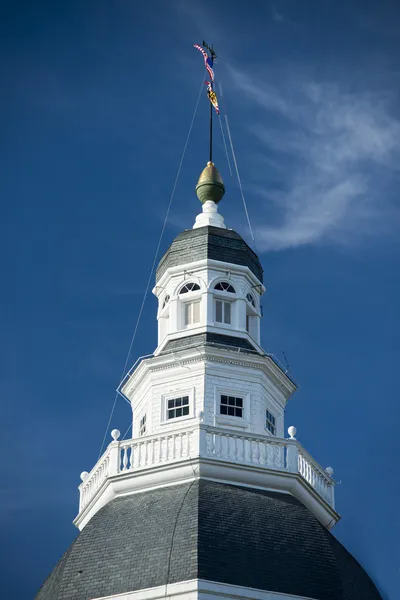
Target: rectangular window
192	313
142	425
223	312
270	422
248	323
178	407
231	406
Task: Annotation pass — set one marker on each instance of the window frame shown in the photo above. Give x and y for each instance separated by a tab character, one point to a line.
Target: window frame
142	426
225	401
235	422
189	297
185	284
173	395
165	302
223	301
224	297
184	304
273	424
227	283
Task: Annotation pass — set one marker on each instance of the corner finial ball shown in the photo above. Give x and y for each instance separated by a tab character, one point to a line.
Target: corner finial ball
292	432
329	470
115	434
84	475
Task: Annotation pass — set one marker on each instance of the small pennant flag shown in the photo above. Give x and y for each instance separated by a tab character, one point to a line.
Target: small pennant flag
208	61
213	96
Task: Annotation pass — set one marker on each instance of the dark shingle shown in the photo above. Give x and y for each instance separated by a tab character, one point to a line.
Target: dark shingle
213	243
208	530
209	339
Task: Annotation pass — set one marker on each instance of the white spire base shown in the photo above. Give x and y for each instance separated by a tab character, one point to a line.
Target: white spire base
209	216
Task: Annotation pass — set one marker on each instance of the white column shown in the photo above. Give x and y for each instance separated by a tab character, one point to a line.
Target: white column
173	316
209	308
241	314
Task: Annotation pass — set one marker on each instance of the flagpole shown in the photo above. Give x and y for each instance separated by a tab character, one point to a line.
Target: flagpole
211	130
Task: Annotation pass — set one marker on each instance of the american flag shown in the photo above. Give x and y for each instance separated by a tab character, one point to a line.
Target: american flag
208	61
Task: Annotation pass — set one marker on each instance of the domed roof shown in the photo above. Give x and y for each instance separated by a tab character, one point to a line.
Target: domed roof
210	242
211	531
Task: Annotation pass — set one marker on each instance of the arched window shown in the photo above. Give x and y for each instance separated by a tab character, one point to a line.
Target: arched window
224	286
166	300
189	287
223	308
191	308
250	299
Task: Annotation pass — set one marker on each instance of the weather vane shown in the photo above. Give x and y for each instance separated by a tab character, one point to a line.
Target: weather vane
209	64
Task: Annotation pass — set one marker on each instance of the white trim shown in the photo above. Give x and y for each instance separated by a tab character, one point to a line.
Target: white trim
200	589
210	263
275	374
241	422
223	471
171	396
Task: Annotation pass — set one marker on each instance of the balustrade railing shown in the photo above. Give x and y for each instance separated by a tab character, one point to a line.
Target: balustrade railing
155	450
204	441
316	476
93	481
246	448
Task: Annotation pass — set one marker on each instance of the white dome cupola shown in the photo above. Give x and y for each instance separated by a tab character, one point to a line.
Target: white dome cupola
209	279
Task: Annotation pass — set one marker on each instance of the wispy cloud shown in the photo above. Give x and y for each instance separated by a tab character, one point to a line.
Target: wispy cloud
277	16
334	154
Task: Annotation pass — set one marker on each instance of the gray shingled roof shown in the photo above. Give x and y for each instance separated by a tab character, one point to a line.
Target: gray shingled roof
210	242
212	531
210	339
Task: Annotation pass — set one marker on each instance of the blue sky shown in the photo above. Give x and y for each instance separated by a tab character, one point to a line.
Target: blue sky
96	102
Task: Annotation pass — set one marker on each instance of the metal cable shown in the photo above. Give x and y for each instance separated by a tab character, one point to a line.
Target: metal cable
153	264
240	183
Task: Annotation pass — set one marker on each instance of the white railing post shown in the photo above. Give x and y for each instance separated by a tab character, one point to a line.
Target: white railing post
197	441
202	447
331	500
114	454
292	456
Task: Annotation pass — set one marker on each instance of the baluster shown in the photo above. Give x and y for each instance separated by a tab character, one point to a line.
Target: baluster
167	447
229	447
235	448
189	440
159	450
280	457
171	454
225	446
135	452
262	452
209	443
218	445
166	444
252	456
275	454
125	459
145	453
